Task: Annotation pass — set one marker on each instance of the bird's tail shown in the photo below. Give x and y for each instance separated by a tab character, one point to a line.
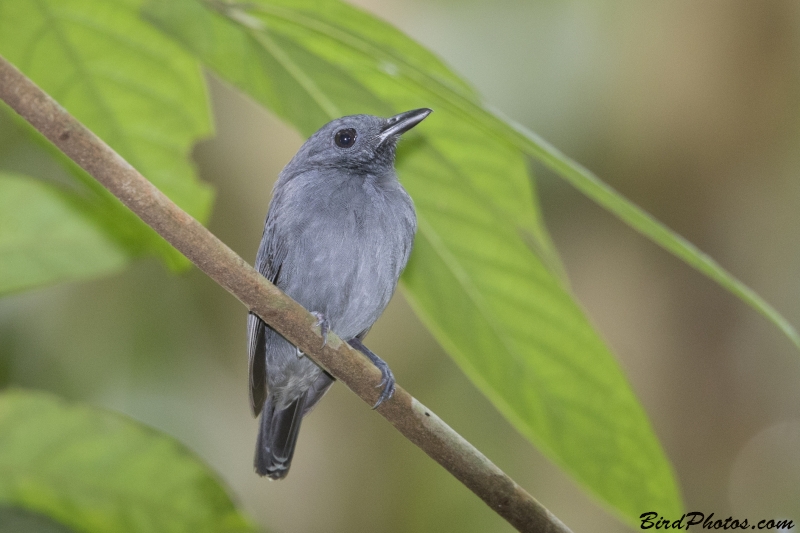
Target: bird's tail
277	437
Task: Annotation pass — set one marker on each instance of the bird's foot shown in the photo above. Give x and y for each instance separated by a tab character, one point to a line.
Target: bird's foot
324	326
387	378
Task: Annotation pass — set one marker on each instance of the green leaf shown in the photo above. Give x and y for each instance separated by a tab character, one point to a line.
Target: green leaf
129	84
484	275
48	235
16	520
94	471
589	184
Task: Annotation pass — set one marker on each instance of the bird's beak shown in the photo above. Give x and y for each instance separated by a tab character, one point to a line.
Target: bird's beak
403	122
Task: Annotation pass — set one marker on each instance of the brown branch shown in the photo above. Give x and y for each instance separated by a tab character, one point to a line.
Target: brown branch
213	257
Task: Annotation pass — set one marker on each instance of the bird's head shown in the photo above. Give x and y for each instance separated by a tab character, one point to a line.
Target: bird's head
360	143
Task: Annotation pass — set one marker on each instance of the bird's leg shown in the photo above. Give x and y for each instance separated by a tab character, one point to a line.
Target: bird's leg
387	381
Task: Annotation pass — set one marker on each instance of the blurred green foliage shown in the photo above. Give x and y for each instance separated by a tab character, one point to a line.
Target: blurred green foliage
132	87
96	472
71	244
484	275
16	520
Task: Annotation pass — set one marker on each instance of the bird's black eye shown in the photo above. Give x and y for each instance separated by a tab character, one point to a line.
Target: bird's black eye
345	138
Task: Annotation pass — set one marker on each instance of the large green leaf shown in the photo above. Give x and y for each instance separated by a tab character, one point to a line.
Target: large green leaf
48	234
95	472
16	520
129	84
483	274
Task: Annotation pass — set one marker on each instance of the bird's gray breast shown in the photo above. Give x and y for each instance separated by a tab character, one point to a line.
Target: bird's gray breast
346	244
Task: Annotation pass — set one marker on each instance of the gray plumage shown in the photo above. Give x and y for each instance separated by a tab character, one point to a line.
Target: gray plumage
338	234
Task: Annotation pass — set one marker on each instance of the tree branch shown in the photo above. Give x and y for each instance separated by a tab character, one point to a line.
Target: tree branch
415	421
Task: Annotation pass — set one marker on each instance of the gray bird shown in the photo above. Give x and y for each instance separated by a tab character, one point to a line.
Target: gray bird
338	234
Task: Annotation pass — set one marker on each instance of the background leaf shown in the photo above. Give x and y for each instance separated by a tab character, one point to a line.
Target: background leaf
16	520
48	235
591	186
98	472
127	83
483	275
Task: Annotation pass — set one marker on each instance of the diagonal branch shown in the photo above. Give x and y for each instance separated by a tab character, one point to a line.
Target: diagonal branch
415	421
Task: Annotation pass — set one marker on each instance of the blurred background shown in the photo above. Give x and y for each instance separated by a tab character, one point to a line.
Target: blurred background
690	109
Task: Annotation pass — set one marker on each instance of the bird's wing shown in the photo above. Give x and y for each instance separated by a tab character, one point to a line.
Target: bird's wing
257	351
270	256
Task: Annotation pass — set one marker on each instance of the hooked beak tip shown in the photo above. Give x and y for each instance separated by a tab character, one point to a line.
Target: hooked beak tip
399	124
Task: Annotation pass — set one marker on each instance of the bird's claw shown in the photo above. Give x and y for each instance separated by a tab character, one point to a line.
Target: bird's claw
387	382
387	378
324	326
